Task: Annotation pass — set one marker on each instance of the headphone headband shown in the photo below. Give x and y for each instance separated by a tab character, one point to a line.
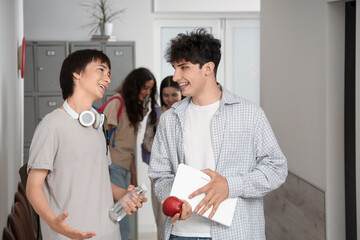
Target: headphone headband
70	111
86	118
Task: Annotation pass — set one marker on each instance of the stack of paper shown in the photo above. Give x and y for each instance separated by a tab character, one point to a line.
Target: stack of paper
189	179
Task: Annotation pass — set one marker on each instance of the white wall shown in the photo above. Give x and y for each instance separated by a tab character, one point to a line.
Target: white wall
293	64
11	92
335	178
205	6
302	93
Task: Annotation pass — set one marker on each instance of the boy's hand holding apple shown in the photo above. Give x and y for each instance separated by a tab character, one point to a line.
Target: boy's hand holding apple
176	209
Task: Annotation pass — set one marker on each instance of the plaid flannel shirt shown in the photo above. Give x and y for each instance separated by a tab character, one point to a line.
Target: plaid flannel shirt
246	153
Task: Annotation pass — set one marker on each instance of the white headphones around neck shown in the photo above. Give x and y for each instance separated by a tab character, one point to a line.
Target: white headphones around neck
86	118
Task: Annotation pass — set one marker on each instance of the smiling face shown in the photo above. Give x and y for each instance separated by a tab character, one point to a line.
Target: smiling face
190	77
146	89
170	95
198	83
94	80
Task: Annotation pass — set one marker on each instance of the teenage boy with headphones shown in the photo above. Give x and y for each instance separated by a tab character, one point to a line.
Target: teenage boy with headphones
68	183
222	134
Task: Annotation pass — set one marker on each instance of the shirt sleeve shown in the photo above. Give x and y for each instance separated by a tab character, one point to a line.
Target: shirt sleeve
43	149
161	170
271	165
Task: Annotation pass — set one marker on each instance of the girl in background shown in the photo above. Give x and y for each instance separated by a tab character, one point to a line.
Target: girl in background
170	93
137	92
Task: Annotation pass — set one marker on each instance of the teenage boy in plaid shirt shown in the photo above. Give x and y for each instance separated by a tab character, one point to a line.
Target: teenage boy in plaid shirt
222	134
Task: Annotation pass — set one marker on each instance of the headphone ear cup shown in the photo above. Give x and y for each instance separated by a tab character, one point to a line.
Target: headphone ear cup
99	119
87	118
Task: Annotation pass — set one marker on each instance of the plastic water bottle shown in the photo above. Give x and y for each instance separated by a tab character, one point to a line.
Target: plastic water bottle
118	212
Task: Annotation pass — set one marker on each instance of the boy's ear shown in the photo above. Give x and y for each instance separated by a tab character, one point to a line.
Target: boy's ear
76	76
209	68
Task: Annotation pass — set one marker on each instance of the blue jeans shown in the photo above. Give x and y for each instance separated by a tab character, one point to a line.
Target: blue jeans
173	237
120	177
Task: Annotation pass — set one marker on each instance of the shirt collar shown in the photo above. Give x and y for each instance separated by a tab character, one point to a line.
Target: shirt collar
227	97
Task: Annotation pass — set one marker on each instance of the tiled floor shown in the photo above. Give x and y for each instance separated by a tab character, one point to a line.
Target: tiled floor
147	236
295	211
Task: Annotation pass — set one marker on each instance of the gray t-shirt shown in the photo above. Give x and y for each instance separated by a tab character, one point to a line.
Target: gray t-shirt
78	180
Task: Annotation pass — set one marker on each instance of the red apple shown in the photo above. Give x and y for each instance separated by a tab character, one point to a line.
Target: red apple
171	206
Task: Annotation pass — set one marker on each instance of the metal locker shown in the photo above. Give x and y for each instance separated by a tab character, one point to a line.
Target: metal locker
26	154
48	104
29	119
122	63
76	47
50	59
29	78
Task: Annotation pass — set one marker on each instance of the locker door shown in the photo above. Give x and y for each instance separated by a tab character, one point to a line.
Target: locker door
29	78
76	47
29	119
122	62
26	154
48	104
50	59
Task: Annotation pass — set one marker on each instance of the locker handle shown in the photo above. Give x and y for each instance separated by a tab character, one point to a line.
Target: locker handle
40	68
118	53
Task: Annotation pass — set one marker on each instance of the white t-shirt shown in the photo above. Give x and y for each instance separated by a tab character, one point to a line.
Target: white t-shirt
199	154
78	179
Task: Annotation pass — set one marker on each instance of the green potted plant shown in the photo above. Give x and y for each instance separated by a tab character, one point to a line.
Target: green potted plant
102	13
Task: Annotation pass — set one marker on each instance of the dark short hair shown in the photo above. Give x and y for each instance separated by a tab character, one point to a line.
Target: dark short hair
168	82
76	62
197	47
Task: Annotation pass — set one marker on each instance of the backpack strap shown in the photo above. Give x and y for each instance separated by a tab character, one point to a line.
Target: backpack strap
101	109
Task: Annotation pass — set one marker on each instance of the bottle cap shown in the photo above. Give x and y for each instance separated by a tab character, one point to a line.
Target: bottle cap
144	187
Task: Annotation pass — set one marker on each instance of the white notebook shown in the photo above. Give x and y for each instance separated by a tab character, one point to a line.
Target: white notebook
189	179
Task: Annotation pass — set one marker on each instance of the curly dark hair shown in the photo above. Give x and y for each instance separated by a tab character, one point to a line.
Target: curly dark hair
168	82
130	90
197	47
76	62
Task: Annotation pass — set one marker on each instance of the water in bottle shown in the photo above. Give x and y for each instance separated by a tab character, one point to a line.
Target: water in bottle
117	212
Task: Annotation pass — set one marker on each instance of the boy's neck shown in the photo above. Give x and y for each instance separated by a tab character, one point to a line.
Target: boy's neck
210	94
79	104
